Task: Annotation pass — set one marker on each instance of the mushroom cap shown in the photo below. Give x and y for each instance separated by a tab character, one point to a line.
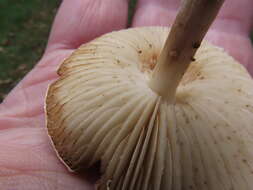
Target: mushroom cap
102	109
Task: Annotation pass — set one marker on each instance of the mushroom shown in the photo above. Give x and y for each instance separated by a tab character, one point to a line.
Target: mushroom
154	116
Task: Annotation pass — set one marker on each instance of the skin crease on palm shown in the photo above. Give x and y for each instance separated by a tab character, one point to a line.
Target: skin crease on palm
27	159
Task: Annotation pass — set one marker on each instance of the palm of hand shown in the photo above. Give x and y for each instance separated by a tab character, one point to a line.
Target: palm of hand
27	160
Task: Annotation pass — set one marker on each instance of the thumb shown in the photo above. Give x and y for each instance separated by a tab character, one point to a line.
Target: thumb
79	21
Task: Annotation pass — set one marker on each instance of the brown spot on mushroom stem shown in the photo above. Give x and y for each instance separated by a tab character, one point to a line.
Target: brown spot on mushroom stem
174	54
196	45
193	59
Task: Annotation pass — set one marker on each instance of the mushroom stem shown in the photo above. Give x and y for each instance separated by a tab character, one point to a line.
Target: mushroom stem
188	30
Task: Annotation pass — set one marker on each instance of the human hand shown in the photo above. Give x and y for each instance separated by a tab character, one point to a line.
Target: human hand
27	160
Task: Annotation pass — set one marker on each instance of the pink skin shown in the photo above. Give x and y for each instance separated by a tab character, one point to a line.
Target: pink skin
27	159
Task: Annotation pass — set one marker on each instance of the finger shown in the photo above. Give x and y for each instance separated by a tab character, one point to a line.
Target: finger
240	47
250	67
231	30
235	17
79	21
155	12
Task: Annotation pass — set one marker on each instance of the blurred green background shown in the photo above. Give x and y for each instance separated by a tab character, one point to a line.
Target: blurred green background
24	29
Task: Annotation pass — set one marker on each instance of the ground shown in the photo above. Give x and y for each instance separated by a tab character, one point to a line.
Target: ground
24	29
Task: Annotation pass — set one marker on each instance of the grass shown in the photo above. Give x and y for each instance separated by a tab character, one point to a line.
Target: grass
24	30
25	25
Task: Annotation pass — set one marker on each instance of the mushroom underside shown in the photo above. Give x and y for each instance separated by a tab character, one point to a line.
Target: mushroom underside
102	109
